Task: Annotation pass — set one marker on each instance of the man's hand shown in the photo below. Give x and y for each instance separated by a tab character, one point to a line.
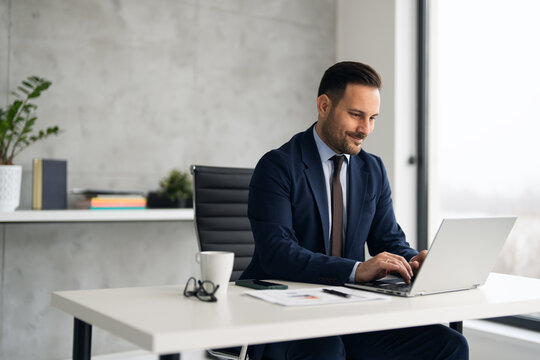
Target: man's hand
383	264
417	261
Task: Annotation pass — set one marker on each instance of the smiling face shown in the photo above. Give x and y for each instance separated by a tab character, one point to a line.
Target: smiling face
345	125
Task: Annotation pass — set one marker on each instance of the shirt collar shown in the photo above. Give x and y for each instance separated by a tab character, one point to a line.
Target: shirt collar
324	150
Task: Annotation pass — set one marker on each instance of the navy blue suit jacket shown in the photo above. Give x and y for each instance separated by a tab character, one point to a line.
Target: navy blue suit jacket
288	211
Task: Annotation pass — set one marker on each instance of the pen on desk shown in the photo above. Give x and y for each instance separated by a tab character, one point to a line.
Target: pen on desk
337	293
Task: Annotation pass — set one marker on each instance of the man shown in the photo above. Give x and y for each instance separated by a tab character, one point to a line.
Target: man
310	223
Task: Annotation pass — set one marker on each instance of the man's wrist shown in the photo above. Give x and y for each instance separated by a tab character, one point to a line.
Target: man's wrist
352	277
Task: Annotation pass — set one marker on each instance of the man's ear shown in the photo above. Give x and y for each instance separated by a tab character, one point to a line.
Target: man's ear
324	104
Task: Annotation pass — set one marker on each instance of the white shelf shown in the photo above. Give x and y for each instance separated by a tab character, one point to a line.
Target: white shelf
44	216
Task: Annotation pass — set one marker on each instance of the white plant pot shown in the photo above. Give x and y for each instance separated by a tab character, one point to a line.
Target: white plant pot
10	187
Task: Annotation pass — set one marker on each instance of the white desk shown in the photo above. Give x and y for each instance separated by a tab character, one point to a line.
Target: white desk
162	320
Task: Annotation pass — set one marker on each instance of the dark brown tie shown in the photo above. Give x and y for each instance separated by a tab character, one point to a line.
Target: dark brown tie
337	208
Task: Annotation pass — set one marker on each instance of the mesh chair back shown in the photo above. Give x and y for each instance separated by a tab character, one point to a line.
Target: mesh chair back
220	202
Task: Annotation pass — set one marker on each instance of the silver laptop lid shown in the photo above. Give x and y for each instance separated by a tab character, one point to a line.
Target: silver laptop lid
462	254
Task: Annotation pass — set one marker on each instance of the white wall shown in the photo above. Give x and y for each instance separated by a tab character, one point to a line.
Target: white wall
383	35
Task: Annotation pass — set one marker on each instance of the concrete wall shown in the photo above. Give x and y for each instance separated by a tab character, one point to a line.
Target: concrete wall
140	88
41	258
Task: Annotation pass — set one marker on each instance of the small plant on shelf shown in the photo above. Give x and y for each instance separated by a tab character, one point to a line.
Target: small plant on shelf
176	186
175	191
18	119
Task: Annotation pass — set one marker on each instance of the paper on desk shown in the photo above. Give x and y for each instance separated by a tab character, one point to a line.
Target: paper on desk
314	296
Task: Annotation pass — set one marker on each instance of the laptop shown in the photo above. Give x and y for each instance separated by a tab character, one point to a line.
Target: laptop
460	258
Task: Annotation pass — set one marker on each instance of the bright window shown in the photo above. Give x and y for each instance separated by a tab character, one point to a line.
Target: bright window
485	120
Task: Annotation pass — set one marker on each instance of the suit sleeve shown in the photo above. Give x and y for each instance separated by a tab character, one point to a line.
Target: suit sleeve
385	233
271	215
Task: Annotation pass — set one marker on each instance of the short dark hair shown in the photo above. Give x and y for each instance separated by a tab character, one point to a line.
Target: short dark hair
338	76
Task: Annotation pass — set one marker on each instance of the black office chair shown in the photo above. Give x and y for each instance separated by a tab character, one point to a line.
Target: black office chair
220	201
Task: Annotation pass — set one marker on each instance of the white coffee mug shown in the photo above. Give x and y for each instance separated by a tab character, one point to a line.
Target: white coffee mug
216	266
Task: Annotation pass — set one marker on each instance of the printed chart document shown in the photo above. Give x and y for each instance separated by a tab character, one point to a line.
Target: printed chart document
316	296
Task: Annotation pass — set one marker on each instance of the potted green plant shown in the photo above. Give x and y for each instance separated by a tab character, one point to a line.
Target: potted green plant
16	134
175	190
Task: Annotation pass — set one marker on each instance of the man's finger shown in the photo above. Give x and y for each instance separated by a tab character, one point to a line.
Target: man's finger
395	265
401	260
420	256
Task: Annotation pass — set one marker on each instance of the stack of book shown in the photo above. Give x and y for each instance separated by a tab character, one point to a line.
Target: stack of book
109	199
118	202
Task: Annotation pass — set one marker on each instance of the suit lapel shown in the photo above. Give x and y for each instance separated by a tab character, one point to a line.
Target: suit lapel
315	178
356	193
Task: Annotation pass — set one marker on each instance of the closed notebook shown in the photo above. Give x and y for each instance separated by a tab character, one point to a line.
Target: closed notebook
49	184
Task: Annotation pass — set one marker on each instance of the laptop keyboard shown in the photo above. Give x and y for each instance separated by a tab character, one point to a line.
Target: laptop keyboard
396	287
395	284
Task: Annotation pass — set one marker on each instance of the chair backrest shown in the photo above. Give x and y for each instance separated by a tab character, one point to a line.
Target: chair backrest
220	201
